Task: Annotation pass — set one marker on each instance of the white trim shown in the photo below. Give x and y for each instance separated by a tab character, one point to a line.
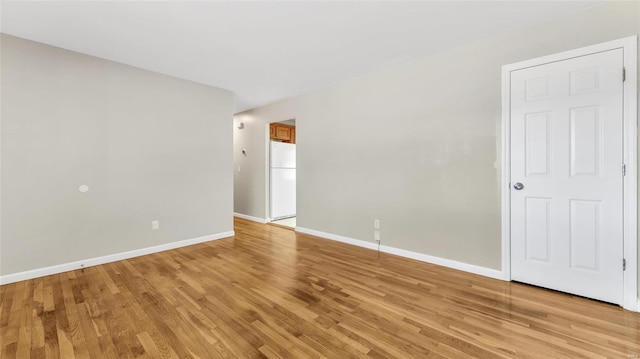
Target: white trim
65	267
506	170
629	46
483	271
335	237
444	262
250	218
267	171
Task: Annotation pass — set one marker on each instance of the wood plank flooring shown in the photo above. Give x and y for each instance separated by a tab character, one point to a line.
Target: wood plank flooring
274	293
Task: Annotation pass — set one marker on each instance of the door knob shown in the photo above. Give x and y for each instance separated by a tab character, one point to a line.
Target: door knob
518	186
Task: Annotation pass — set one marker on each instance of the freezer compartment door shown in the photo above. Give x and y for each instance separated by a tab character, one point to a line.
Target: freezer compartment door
283	193
283	155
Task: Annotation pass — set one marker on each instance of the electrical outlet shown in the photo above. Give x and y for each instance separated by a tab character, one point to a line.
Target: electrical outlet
376	236
376	223
155	225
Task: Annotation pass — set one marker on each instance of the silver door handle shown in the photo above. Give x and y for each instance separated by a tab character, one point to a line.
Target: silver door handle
518	186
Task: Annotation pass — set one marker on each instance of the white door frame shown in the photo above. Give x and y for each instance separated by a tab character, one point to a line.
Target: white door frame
630	99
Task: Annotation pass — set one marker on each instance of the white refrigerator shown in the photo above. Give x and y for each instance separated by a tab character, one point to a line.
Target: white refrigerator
283	180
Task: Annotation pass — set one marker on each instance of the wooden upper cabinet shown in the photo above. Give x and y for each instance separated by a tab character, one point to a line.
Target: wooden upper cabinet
281	132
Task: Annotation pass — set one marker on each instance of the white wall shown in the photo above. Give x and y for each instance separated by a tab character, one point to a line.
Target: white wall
149	146
417	146
250	169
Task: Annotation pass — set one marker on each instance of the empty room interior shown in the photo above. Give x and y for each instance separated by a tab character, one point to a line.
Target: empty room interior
321	179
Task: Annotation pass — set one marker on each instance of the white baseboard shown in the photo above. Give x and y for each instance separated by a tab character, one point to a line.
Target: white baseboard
250	218
483	271
635	307
65	267
335	237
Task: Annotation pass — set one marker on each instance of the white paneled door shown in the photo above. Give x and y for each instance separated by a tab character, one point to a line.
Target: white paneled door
566	175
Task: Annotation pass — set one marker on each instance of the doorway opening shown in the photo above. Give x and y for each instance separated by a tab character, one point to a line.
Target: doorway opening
282	173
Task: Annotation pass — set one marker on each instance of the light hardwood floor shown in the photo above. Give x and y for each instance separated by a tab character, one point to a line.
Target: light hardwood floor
271	292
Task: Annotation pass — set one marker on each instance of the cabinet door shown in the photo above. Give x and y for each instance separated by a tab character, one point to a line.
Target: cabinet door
283	133
293	135
272	131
